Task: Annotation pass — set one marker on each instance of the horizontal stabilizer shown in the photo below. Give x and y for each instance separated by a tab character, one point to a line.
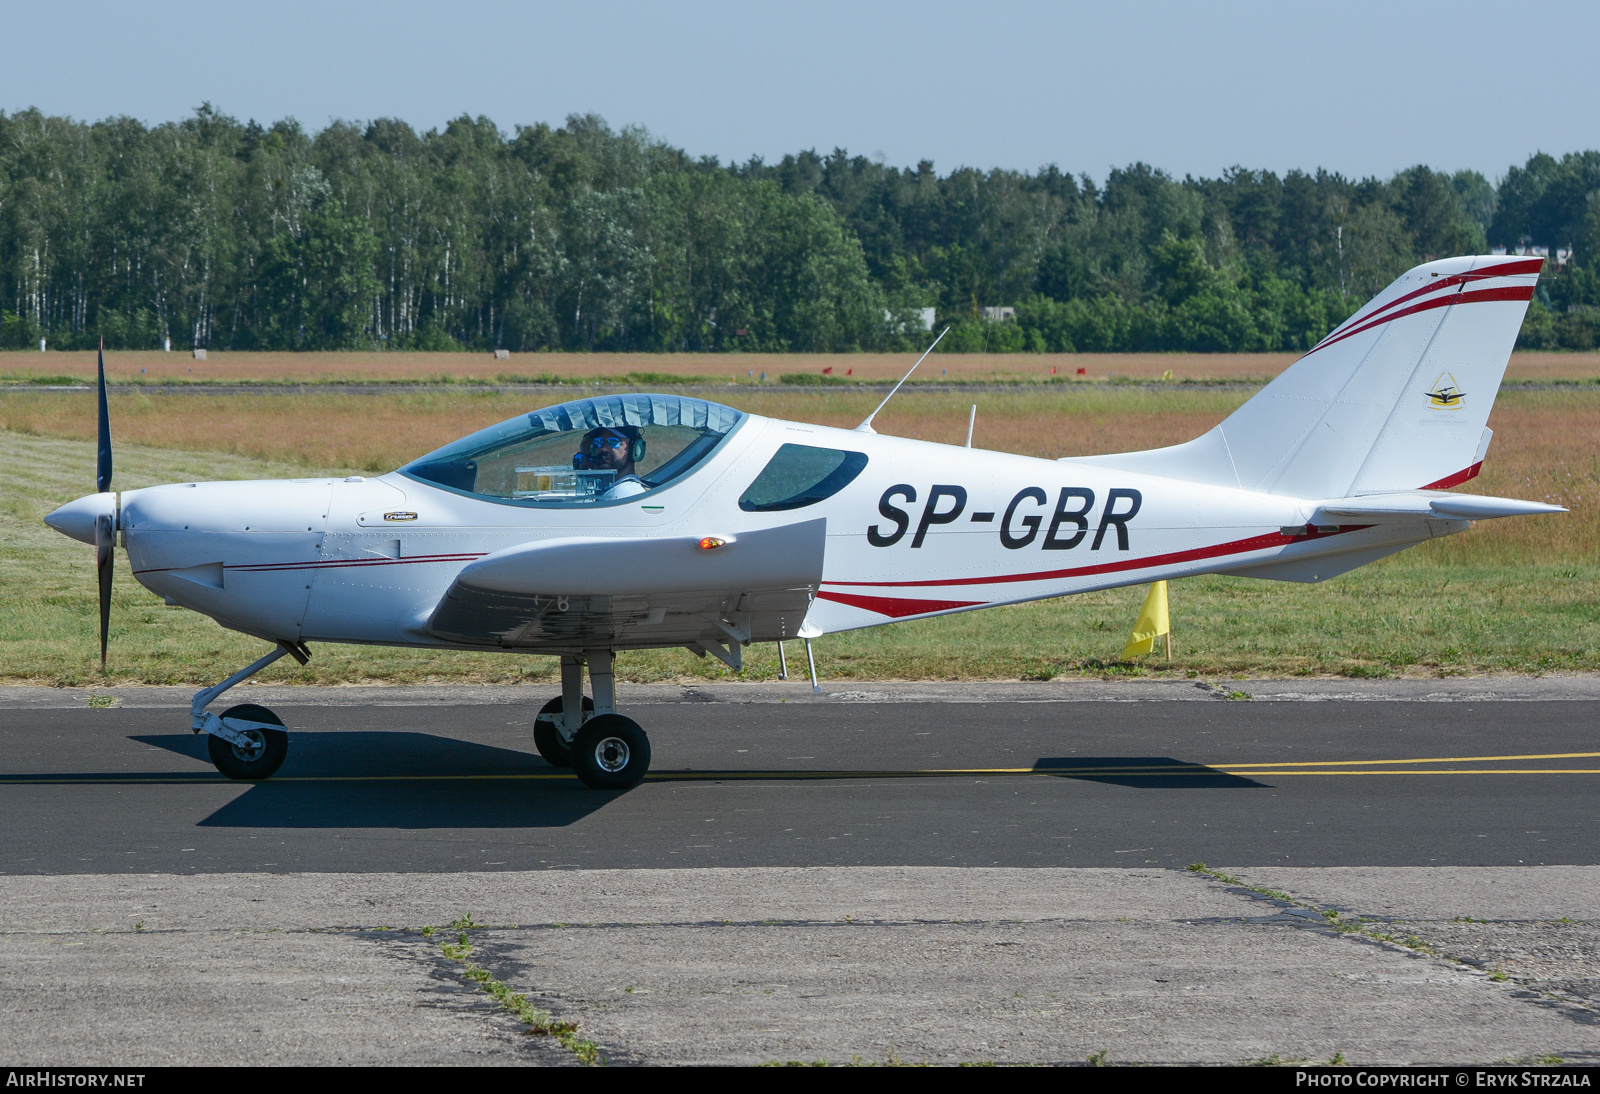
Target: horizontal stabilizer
1414	505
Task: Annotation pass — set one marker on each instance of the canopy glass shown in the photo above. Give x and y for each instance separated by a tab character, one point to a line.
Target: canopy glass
586	452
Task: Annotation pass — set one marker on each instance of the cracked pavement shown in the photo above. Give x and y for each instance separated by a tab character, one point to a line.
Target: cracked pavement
843	964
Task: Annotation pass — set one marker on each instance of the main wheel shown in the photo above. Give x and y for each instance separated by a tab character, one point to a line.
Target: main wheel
611	752
266	751
547	732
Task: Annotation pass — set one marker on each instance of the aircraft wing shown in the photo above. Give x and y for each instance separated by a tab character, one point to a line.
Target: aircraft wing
568	595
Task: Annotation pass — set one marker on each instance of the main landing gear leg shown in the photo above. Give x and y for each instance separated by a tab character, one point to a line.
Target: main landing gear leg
605	749
248	741
561	718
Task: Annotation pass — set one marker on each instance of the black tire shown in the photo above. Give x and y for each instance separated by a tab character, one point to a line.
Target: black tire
611	752
547	738
253	764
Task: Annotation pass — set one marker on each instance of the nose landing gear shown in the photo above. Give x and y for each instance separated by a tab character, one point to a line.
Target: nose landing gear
264	751
606	750
248	741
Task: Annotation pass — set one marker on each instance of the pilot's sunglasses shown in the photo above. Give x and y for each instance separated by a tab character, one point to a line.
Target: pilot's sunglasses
608	442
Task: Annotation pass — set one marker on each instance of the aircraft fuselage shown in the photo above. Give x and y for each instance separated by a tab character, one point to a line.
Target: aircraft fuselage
926	529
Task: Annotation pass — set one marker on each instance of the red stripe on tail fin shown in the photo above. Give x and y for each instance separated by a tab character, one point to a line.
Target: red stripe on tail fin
1455	480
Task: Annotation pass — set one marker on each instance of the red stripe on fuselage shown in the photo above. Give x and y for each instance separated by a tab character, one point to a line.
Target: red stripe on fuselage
337	563
896	607
324	564
1219	550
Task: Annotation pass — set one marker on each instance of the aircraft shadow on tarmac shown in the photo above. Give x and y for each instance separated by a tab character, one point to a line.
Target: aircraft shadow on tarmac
407	780
1144	772
398	780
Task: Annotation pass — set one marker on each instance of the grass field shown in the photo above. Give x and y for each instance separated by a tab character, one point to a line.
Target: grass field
223	367
1508	596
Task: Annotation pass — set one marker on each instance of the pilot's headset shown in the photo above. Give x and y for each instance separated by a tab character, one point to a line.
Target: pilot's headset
635	442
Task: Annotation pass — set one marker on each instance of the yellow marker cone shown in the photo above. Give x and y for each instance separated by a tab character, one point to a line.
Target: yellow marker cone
1151	624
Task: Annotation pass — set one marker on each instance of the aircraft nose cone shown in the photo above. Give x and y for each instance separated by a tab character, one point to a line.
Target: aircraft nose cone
76	518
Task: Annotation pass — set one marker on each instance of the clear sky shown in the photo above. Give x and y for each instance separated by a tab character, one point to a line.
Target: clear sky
1357	87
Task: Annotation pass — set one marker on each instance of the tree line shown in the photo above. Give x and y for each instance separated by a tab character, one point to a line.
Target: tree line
209	232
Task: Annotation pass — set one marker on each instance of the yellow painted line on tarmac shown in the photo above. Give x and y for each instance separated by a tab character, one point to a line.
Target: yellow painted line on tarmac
1438	760
1193	770
1434	771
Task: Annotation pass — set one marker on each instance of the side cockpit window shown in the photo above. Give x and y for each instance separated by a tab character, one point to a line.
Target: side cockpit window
799	475
585	452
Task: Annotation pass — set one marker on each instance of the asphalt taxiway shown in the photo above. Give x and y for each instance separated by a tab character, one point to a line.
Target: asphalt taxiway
412	780
1400	871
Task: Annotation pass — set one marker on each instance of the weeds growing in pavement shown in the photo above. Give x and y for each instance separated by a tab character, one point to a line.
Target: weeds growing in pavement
1357	925
538	1021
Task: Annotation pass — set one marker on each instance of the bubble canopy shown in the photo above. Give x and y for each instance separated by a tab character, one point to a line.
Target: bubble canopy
550	457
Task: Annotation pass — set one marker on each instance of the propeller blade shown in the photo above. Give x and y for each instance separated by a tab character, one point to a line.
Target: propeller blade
104	557
102	476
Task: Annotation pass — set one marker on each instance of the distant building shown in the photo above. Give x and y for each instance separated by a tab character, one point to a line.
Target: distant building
926	315
998	315
1529	250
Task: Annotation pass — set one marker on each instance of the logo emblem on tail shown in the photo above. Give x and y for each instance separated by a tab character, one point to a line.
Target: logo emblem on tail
1445	394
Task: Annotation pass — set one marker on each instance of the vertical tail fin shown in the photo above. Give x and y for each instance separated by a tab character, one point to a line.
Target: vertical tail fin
1395	398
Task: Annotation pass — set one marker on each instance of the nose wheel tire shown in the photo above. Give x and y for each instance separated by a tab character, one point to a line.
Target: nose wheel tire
611	752
265	753
547	732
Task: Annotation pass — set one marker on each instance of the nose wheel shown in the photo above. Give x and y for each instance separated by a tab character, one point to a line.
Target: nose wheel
257	750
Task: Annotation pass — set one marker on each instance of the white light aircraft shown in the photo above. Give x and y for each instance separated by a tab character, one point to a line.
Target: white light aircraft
626	522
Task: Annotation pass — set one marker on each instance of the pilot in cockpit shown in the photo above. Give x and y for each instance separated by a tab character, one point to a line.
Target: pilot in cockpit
613	448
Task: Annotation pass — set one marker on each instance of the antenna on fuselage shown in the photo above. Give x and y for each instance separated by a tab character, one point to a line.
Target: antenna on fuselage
866	426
